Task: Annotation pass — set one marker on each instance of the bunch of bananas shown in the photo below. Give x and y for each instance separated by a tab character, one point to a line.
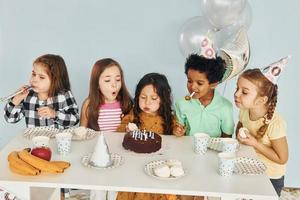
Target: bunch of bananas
23	163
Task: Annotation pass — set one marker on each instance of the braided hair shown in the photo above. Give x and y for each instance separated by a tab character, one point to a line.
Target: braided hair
265	88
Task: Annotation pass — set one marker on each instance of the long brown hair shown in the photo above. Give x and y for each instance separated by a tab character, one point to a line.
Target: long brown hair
265	88
57	71
162	88
96	98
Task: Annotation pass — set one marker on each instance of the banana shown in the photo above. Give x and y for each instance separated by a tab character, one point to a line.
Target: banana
43	165
62	164
19	166
19	171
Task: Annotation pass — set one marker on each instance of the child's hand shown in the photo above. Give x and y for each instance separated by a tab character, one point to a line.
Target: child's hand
19	97
248	140
46	112
179	130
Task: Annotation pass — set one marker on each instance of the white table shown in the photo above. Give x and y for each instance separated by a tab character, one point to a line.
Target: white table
202	176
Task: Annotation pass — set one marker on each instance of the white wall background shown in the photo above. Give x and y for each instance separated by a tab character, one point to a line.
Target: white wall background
142	36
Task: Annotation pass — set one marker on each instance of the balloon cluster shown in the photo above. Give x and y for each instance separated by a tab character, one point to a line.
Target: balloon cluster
225	23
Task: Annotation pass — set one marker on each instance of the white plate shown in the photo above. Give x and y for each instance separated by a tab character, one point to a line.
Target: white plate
216	144
89	135
117	161
249	166
149	169
29	133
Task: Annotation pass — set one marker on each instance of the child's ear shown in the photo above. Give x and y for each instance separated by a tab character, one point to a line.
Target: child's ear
263	100
214	85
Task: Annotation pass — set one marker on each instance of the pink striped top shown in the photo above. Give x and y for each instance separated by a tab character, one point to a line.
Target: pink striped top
109	116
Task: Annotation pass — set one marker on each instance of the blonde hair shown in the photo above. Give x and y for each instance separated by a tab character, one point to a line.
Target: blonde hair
265	88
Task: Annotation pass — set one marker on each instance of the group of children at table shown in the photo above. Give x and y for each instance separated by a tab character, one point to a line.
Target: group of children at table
48	101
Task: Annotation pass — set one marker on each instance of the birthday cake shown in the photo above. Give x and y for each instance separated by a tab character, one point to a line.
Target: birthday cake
142	141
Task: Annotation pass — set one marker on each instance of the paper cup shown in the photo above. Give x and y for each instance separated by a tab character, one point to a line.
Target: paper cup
40	141
200	143
226	163
230	145
63	141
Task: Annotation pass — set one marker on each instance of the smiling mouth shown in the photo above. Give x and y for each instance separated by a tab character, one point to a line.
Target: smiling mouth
146	109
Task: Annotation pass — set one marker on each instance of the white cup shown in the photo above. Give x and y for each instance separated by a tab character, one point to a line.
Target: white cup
230	145
201	141
226	163
63	141
40	141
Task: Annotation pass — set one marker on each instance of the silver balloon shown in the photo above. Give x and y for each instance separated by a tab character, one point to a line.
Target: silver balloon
192	33
222	13
222	36
245	19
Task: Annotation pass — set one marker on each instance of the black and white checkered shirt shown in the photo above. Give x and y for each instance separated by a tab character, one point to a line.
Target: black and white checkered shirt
64	104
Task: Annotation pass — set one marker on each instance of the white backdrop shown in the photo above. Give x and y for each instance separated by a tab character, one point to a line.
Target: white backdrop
142	36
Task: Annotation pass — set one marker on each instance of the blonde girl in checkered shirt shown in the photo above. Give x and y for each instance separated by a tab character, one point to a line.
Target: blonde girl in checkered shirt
48	101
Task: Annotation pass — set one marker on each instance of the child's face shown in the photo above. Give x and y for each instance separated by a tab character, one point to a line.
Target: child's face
40	80
110	83
246	96
149	101
197	82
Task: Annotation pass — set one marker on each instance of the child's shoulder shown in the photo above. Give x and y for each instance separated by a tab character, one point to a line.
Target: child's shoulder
222	100
277	118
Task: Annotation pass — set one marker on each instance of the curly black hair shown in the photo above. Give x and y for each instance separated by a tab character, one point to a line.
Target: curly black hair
161	85
213	68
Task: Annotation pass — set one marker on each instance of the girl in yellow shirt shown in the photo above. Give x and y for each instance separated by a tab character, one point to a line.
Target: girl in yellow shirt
256	97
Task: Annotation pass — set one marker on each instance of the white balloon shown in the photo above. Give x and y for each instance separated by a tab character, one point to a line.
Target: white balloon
192	33
245	19
222	13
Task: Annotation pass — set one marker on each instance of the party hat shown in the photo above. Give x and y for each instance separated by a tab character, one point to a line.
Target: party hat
207	48
273	71
101	156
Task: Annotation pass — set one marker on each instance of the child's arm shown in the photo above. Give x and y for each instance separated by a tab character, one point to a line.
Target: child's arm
278	152
67	115
13	110
179	128
124	122
13	113
83	115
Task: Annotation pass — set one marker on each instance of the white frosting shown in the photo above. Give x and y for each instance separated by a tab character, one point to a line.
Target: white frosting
162	171
176	171
173	162
242	132
80	131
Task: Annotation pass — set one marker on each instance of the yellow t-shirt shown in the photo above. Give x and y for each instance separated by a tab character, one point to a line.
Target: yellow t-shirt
275	130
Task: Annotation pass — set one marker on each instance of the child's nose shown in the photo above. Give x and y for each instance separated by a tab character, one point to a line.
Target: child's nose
147	101
114	84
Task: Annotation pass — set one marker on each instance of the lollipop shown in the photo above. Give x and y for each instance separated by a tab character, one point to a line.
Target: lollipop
188	97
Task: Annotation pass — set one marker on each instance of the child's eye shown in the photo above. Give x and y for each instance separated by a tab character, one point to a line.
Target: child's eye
106	81
142	97
199	83
244	92
189	81
118	80
154	98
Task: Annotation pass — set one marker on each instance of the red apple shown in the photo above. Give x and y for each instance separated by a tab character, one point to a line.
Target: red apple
42	152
